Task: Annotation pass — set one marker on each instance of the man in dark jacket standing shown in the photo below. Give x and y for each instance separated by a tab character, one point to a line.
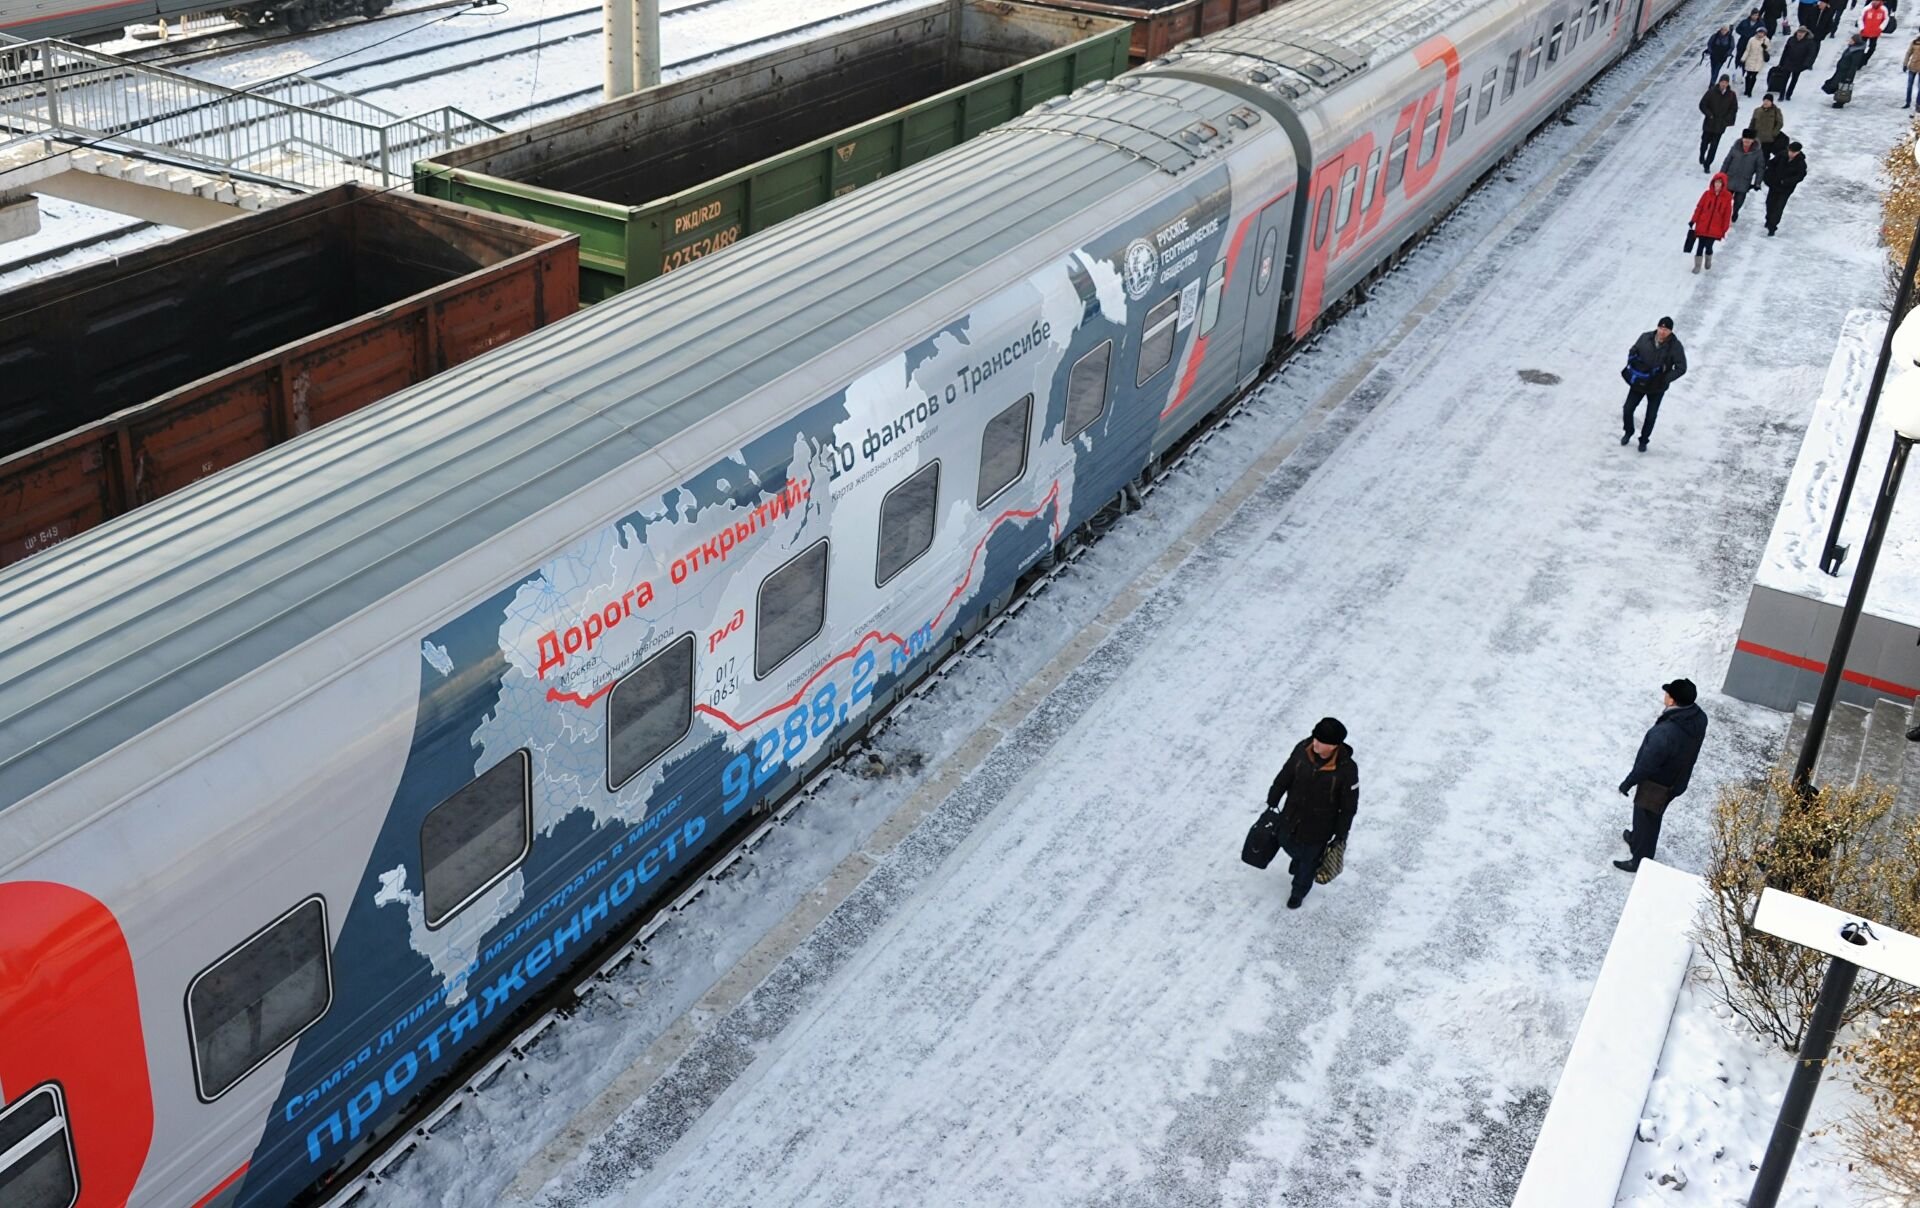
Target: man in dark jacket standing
1748	27
1321	786
1719	108
1774	13
1655	362
1783	177
1661	769
1797	56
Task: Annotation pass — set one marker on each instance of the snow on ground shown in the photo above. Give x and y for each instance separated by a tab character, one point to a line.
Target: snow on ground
63	222
562	57
1792	561
1065	988
1711	1109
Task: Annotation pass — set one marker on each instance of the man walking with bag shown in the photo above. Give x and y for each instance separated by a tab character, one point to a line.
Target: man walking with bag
1320	784
1661	769
1655	362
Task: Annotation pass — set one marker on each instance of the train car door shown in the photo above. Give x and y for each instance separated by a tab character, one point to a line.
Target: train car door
1265	300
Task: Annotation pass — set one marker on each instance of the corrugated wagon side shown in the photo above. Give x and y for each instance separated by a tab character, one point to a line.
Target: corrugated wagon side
658	179
1161	25
130	379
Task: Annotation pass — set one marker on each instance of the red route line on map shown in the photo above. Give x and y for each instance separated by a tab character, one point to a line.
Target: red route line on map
558	695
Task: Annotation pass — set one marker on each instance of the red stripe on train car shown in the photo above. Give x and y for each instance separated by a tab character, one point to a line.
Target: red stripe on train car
221	1186
70	1013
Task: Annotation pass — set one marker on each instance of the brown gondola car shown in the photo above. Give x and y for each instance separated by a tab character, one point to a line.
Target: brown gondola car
129	379
1161	25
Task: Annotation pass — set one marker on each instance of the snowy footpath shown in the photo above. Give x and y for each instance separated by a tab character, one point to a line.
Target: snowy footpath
1063	987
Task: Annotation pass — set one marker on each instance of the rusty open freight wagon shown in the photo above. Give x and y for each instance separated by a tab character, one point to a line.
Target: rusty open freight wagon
657	179
128	379
1161	25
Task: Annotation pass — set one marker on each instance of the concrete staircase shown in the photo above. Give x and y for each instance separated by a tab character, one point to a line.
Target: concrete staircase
1870	743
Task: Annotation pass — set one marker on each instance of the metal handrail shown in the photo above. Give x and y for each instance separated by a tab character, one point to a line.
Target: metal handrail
294	130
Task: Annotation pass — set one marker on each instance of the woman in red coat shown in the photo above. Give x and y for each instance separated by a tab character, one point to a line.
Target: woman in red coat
1873	23
1712	215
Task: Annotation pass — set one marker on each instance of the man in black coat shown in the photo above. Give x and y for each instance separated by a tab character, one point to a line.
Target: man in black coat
1719	108
1321	786
1783	177
1661	769
1774	13
1655	362
1798	55
1748	27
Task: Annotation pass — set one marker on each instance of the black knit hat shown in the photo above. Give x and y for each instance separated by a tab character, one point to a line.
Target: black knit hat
1666	322
1330	731
1682	691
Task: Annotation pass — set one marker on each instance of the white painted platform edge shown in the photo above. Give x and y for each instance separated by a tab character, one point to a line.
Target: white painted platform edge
1589	1130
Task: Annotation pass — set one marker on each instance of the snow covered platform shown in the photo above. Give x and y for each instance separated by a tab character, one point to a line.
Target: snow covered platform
1795	607
1021	964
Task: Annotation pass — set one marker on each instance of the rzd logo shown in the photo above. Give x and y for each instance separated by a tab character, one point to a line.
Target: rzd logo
1139	267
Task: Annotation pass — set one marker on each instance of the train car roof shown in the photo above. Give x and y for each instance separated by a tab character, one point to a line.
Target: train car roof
111	633
1307	48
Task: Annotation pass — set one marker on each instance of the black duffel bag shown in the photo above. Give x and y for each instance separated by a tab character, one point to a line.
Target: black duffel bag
1263	840
1777	79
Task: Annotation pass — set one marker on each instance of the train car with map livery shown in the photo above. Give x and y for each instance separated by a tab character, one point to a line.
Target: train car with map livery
316	773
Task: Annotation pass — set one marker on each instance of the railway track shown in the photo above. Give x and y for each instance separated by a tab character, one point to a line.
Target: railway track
517	115
216	43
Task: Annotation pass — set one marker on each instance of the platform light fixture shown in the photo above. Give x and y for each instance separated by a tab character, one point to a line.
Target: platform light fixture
1833	554
1854	944
1903	416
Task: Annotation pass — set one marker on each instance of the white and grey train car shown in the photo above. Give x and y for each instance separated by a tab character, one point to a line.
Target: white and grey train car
313	775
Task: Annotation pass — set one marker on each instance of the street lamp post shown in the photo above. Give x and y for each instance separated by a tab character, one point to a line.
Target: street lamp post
1832	554
1853	944
1903	416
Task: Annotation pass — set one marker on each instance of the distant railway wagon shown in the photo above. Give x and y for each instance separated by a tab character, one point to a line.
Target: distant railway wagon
85	21
1161	25
655	180
132	378
317	776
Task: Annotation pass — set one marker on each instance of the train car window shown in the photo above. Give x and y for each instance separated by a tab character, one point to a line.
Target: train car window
1373	177
1533	60
1349	185
1269	251
1210	301
1553	44
1513	75
1573	30
1156	346
475	837
792	609
255	1000
1087	390
1487	87
1593	15
649	710
37	1169
1323	217
906	522
1430	137
1003	451
1460	111
1397	158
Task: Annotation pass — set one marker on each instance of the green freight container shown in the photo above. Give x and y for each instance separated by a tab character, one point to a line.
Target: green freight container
655	180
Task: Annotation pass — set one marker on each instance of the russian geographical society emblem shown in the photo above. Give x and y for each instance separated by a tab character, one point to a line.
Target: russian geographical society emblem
1139	268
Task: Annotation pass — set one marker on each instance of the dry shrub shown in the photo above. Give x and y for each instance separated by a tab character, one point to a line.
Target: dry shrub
1884	1136
1900	212
1837	847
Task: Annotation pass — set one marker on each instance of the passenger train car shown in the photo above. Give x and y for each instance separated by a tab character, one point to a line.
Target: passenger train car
314	774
